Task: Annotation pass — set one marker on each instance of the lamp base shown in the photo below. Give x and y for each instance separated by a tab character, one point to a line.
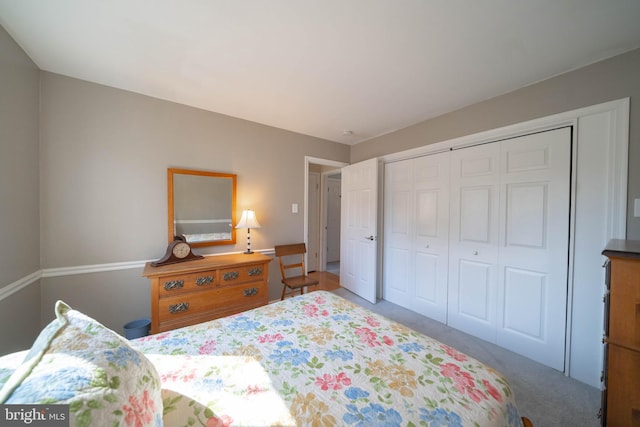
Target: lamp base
248	252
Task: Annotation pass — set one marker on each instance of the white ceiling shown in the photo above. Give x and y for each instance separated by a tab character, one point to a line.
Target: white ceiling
321	67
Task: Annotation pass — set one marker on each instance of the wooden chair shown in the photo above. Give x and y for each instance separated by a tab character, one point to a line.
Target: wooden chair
294	274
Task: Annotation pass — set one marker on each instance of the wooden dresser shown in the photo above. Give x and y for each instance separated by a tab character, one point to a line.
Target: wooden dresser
621	391
196	291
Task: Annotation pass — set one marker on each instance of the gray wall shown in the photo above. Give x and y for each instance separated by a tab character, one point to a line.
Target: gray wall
615	78
19	192
103	164
83	183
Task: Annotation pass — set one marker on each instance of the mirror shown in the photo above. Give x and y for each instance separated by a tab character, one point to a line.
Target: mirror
201	207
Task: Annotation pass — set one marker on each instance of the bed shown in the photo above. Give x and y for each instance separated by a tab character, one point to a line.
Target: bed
315	359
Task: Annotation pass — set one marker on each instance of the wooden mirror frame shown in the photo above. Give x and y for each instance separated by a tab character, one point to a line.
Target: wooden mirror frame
171	172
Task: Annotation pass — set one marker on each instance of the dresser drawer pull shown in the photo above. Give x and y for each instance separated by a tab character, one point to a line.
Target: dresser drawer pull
250	292
256	271
202	281
232	275
173	284
177	308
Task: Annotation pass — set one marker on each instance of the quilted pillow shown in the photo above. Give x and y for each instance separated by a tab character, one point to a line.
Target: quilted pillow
8	365
77	361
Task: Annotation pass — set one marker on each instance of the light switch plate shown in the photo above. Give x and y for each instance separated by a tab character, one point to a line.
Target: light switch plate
294	208
636	208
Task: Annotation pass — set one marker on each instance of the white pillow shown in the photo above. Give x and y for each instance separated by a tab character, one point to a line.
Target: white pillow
77	361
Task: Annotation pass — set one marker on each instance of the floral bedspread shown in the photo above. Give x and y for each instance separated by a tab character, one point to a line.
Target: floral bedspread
320	360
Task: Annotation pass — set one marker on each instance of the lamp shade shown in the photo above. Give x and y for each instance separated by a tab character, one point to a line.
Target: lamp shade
248	220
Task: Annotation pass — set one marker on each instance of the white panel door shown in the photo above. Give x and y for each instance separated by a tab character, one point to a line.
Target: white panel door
474	236
358	242
416	209
430	250
534	245
398	230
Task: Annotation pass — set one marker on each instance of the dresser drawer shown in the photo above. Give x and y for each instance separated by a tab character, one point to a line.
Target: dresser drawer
190	308
624	304
187	304
623	394
241	274
243	297
174	285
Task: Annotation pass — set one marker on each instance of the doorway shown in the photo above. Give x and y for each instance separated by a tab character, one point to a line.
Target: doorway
332	226
321	222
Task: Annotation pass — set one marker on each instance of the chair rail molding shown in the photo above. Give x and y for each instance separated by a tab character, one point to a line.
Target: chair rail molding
30	279
19	284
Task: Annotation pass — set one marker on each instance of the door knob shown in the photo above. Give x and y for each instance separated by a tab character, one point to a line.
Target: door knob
475	252
371	238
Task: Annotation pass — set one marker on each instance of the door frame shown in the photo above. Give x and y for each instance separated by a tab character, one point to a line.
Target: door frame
309	160
314	198
324	235
583	352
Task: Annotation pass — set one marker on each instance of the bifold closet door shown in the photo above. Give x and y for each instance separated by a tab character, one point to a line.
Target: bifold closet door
509	243
473	243
398	229
534	245
416	234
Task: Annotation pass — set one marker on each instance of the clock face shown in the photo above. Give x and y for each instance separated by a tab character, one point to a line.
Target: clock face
181	250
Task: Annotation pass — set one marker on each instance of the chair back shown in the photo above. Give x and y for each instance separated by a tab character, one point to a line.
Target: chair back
288	259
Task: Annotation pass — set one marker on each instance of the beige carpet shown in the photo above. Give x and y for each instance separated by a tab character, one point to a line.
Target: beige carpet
545	396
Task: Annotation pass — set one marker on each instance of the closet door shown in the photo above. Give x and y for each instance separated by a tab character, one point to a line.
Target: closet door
510	241
398	230
430	249
534	245
416	210
474	236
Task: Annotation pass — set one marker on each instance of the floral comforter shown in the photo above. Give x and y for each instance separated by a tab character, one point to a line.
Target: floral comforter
320	360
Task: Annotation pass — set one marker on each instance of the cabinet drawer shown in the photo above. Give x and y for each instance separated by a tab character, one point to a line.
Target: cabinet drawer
187	304
242	297
174	285
623	393
245	273
624	304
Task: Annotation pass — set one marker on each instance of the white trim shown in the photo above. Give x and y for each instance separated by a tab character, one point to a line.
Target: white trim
536	125
308	160
619	174
22	283
127	265
324	162
93	268
19	284
572	247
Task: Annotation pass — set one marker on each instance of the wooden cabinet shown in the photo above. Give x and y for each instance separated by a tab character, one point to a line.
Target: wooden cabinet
621	394
196	291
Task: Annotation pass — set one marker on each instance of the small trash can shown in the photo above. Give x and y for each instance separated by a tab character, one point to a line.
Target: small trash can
137	328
